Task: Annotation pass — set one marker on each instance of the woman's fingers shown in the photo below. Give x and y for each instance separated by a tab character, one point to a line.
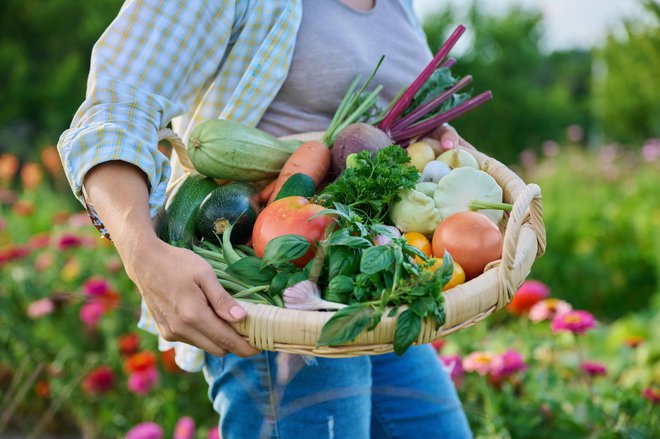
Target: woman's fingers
225	306
448	137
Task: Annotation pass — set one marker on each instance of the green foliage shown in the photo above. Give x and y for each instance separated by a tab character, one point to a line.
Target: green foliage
602	215
536	95
627	92
45	49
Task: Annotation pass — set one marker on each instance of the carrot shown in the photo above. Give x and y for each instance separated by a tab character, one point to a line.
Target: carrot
267	191
311	158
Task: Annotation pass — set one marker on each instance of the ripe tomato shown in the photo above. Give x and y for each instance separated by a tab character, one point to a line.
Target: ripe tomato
419	241
457	276
290	216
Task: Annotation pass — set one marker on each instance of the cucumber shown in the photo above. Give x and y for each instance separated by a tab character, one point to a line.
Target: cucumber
233	204
300	185
232	151
178	225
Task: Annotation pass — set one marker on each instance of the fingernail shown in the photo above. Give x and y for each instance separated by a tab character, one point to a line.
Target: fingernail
237	312
448	144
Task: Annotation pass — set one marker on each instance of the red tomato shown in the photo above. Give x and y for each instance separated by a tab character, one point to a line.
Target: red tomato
471	238
290	216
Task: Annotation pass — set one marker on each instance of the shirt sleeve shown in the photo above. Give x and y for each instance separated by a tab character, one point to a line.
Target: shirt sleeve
151	64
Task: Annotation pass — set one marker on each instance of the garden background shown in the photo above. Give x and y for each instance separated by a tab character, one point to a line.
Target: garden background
583	124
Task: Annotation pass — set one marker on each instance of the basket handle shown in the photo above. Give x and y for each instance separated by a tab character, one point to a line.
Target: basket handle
527	209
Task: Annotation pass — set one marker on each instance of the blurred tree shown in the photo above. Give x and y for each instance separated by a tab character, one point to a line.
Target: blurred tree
45	48
626	90
536	95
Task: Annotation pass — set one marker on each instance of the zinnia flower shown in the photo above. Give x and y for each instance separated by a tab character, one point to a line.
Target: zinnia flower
510	362
40	308
23	208
142	382
31	175
90	313
214	433
50	158
42	389
129	344
44	261
168	358
145	430
140	362
185	428
529	293
8	167
593	368
577	322
633	341
68	241
453	365
99	381
71	270
652	394
438	344
40	240
548	309
481	362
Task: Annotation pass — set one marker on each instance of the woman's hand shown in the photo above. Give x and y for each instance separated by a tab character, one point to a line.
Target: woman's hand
179	287
449	138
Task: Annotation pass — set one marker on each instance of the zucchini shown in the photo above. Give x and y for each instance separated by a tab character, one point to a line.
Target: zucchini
300	185
229	150
180	220
236	205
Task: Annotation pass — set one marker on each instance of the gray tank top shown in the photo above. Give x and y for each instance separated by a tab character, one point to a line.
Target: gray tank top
334	43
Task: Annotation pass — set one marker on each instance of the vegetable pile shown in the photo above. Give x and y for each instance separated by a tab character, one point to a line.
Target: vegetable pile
318	225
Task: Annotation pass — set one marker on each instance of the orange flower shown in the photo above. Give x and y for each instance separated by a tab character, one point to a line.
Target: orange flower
50	158
633	341
109	300
23	208
42	388
167	357
8	167
140	362
31	175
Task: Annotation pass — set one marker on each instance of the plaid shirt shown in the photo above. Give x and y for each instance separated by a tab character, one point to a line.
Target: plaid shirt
184	62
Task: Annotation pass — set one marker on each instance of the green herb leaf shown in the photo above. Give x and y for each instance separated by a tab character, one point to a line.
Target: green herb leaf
447	270
423	306
249	269
375	259
345	325
408	325
439	315
285	248
342	260
296	277
278	283
340	284
343	237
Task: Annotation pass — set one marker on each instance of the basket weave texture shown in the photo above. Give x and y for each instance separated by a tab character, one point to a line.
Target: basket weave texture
273	328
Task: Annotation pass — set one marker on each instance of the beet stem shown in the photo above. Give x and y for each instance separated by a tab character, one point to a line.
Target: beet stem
408	96
449	63
431	105
436	121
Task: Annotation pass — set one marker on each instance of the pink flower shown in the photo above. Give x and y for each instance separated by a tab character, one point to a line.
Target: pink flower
510	362
44	261
438	344
185	428
593	368
481	362
68	241
652	394
453	365
142	382
547	309
40	308
529	293
145	430
39	241
98	381
214	433
651	150
577	322
90	313
96	286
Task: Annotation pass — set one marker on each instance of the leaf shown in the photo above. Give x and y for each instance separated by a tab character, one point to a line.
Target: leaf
341	284
296	277
250	269
345	325
393	311
285	248
278	283
423	306
342	260
344	238
374	320
375	259
447	270
439	315
408	325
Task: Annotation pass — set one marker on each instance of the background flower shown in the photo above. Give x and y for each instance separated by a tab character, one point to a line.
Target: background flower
529	293
145	430
98	381
577	322
548	309
593	368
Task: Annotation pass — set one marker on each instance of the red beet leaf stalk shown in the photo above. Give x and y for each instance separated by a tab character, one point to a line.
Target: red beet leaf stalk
399	107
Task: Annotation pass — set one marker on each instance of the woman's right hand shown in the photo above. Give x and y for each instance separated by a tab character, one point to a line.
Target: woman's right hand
185	298
180	288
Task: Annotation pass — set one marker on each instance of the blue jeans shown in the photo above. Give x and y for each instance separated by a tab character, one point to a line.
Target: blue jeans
288	396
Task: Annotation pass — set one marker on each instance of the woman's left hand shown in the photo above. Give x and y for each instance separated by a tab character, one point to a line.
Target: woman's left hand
449	138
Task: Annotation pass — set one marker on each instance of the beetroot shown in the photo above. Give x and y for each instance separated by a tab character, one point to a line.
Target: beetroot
355	138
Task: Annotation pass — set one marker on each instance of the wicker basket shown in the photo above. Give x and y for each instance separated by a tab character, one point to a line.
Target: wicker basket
278	329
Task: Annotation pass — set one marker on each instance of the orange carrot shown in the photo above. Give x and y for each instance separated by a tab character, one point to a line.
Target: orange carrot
311	158
267	191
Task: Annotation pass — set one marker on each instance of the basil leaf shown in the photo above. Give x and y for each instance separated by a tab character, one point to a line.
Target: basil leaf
345	325
375	259
296	277
278	284
408	325
342	260
250	269
345	238
393	311
447	270
341	284
439	315
374	320
423	306
285	248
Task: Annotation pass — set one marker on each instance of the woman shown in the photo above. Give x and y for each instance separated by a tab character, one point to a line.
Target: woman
282	65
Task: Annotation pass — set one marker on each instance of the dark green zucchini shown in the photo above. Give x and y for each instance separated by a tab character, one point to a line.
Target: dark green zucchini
180	220
298	185
233	204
